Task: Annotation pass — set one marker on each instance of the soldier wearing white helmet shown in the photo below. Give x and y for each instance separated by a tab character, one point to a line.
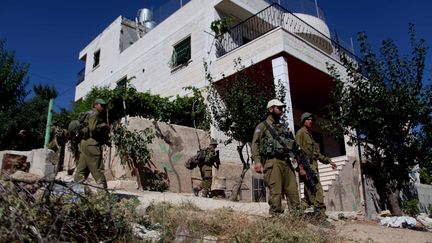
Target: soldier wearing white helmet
271	158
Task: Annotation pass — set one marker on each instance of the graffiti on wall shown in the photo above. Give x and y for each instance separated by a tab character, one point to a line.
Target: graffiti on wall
172	147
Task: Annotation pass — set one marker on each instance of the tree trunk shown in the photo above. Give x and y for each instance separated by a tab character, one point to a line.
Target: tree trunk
237	187
393	198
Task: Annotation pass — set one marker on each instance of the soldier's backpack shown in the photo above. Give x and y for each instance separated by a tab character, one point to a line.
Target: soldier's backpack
78	128
196	160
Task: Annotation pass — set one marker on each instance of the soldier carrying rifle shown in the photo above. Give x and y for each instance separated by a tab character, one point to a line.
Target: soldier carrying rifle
313	195
273	148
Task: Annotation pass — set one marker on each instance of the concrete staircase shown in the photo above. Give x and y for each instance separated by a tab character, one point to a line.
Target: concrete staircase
327	174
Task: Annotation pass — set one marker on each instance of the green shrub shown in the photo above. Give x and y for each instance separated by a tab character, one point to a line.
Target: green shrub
425	177
410	207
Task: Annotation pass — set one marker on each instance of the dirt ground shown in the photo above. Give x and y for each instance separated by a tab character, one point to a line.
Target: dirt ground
371	231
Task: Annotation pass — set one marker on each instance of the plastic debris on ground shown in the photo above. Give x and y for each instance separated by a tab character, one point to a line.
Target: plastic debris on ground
398	222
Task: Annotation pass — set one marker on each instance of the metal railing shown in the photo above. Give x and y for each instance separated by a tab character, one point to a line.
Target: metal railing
272	17
309	7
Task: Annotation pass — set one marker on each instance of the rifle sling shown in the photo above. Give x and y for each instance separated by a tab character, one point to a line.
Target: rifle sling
273	133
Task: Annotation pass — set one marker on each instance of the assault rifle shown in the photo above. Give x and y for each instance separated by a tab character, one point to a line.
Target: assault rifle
217	160
304	166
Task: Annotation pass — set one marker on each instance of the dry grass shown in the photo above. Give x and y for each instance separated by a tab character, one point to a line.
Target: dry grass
225	225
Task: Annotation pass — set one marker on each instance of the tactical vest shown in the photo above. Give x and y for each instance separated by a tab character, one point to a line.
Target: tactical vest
280	148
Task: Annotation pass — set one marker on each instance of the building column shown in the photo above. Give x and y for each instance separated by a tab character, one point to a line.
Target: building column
280	72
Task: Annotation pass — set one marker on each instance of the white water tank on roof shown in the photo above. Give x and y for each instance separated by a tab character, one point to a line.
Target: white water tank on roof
145	15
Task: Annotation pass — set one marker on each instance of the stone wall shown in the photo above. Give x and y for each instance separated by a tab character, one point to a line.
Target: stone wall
345	192
171	147
425	197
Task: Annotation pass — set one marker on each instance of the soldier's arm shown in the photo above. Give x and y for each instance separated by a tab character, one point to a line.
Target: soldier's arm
256	157
255	144
322	158
92	122
301	139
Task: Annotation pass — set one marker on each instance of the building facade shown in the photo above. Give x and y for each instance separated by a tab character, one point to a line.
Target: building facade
165	57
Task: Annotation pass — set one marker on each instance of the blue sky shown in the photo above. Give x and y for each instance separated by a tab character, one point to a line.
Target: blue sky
49	34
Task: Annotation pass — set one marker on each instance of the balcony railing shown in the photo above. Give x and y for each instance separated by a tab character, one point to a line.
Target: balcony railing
272	17
309	7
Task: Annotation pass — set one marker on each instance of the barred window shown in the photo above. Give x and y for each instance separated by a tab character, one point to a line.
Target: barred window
181	53
96	58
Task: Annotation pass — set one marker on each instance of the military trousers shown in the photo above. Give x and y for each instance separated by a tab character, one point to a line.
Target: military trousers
206	177
280	178
315	196
90	161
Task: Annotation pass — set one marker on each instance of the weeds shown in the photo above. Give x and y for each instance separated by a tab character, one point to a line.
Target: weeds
62	217
226	225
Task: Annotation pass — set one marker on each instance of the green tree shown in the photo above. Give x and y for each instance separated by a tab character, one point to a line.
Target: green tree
63	118
45	91
238	104
383	106
13	82
37	107
13	79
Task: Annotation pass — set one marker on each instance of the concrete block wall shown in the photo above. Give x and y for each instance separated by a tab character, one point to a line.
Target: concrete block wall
41	161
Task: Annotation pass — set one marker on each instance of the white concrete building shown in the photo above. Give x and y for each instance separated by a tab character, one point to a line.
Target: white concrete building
293	48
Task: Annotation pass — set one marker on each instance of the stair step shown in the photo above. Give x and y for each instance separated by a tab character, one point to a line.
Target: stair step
329	168
327	174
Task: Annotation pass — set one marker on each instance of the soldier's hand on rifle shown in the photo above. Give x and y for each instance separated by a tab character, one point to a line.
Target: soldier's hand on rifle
258	167
302	171
333	165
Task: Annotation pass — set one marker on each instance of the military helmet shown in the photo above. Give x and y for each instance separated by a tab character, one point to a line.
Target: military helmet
275	102
100	101
213	141
305	116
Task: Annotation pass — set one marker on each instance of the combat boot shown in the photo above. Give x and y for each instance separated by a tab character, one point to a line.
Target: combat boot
204	193
195	191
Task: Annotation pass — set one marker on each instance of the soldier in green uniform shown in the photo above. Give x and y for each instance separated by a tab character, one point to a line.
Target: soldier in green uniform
205	166
313	196
272	158
59	138
95	135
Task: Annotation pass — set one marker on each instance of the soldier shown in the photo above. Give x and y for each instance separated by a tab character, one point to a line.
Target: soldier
94	136
271	157
59	138
205	164
313	196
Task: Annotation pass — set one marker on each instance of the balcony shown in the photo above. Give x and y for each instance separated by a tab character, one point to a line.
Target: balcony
275	16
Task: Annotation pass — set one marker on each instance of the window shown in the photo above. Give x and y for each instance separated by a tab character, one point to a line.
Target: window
122	83
259	190
181	53
96	58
